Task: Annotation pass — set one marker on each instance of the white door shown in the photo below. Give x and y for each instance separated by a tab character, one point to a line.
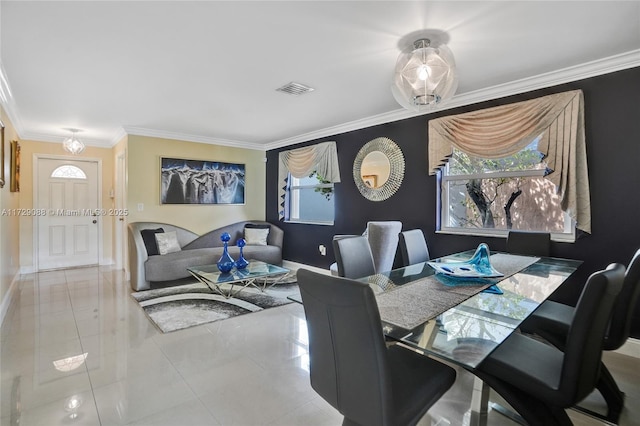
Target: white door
67	192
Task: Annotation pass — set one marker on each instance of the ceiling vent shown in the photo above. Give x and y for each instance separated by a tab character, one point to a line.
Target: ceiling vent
295	89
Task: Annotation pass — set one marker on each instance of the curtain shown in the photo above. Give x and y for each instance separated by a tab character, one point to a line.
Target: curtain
321	158
504	130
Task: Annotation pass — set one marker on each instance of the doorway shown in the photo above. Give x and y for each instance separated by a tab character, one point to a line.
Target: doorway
68	227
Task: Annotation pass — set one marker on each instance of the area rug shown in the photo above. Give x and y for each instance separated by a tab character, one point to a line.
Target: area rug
184	306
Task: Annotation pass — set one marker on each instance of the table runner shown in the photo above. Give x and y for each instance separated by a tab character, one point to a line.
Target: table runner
412	304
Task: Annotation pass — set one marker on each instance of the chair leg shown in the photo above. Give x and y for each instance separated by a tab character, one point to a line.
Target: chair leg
611	393
532	410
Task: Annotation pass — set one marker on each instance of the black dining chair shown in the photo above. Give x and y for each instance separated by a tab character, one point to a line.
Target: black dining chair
353	256
350	365
552	321
539	380
529	243
413	247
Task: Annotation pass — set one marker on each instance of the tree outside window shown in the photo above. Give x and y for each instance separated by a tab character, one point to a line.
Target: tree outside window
491	196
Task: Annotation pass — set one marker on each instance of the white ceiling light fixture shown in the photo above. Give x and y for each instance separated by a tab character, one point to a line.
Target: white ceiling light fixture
425	76
72	144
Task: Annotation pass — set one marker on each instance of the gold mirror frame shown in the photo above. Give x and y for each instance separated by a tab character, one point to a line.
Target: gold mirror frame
396	174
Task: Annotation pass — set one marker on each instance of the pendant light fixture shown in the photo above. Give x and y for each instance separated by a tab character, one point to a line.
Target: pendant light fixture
424	77
72	144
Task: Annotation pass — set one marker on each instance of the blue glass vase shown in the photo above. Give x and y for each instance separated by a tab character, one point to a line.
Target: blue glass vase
481	260
241	263
225	263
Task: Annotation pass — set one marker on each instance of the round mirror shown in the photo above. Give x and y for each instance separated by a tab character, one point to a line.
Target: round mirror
378	169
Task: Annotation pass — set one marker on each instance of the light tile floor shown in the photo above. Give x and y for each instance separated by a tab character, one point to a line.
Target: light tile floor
77	350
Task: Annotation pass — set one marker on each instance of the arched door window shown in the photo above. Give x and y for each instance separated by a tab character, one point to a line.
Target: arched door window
68	171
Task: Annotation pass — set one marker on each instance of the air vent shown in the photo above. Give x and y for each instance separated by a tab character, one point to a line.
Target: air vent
295	88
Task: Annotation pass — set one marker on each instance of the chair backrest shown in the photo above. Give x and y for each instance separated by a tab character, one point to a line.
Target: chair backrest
413	247
348	357
353	256
620	326
583	352
529	243
383	240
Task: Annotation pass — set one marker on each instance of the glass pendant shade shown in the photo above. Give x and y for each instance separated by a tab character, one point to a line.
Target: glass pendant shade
73	144
425	76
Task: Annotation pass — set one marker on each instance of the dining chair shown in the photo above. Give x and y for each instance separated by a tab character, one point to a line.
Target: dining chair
383	240
552	321
350	365
413	247
529	243
353	257
539	380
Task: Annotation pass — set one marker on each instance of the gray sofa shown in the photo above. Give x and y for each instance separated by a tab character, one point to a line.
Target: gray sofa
195	250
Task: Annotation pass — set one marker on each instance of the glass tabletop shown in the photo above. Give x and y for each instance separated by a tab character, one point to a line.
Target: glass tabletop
466	333
255	269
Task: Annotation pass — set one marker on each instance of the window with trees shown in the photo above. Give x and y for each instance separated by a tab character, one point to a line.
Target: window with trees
491	196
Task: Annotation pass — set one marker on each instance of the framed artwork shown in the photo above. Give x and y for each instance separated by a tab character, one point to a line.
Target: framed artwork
201	182
14	184
2	159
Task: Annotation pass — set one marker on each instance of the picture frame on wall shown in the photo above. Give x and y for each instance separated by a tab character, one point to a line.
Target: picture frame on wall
2	156
185	181
14	182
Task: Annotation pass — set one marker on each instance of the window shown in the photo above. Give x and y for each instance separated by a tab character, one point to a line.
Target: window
481	196
309	200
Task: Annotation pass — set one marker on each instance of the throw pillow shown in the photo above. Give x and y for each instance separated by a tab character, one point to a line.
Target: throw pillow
256	236
167	242
149	238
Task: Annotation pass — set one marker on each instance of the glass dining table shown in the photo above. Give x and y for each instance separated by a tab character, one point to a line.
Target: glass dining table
467	332
461	321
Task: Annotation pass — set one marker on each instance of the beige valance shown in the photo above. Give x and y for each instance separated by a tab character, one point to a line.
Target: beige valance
321	158
504	130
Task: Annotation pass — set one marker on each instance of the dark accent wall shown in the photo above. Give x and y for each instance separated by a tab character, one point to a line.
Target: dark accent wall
612	121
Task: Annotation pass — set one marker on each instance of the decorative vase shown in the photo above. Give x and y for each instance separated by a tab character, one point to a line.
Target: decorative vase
241	263
225	263
481	261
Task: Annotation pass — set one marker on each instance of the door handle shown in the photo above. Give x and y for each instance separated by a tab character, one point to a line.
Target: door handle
94	221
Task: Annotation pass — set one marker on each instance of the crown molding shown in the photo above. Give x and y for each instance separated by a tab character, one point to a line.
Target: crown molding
139	131
579	72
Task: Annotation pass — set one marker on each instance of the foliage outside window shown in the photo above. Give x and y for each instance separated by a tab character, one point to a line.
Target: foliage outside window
309	199
482	196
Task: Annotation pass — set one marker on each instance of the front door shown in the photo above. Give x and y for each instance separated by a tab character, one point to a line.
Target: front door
67	193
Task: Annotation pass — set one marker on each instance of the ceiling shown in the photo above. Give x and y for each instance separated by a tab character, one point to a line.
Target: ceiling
208	71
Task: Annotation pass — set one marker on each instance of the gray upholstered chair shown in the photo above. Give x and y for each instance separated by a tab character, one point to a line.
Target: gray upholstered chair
350	365
552	321
529	243
383	240
539	380
413	247
353	257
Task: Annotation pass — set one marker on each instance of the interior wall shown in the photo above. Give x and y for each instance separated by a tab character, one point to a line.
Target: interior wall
613	151
9	223
28	151
143	174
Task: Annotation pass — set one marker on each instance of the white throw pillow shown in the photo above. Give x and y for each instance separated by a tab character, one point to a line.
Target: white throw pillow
167	242
256	236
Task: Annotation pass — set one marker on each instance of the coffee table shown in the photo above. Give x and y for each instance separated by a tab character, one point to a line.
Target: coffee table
255	274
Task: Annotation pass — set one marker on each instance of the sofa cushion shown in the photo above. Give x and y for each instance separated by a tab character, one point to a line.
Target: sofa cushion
256	236
167	242
174	266
149	238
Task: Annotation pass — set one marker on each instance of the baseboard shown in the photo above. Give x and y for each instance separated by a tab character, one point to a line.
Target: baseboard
630	348
295	266
8	297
